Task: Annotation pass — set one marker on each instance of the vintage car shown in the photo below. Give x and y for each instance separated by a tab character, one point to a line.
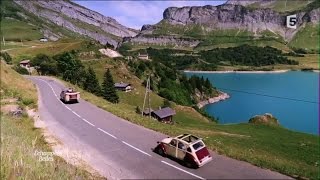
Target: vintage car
69	95
186	147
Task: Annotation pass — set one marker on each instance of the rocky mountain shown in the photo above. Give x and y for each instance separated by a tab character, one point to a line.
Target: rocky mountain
201	22
233	23
74	18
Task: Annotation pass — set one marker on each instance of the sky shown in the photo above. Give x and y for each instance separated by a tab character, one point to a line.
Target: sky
134	14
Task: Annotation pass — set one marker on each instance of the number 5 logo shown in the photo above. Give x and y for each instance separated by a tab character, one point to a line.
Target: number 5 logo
292	21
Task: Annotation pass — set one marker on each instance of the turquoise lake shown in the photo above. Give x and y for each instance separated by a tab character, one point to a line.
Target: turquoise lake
292	97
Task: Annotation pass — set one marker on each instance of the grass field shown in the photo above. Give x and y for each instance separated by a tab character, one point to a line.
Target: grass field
14	30
29	49
307	38
20	139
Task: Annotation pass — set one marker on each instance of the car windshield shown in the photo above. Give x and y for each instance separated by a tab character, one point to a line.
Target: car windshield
198	145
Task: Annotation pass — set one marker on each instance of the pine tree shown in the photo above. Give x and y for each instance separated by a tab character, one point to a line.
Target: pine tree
91	83
109	91
208	86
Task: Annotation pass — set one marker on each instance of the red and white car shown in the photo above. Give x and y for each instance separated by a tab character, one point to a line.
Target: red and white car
186	147
69	95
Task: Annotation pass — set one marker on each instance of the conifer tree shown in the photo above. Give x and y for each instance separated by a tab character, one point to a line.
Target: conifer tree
91	83
109	91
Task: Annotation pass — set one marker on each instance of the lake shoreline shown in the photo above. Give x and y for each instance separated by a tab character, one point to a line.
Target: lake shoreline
249	72
222	96
234	71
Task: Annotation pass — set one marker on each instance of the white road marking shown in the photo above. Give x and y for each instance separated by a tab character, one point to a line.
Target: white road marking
65	105
107	133
136	148
88	122
182	170
76	114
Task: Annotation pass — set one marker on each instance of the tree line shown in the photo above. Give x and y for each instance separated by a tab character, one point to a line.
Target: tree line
208	60
247	55
67	66
170	83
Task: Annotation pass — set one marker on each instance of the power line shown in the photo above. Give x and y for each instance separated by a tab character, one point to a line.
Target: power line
266	95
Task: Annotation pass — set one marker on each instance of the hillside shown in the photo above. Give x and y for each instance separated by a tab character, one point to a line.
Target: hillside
227	25
20	139
280	6
64	18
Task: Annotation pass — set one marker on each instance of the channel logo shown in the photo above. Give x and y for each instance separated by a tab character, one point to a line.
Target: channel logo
292	21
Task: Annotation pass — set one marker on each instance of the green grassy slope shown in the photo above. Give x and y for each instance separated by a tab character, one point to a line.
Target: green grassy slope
283	5
15	30
20	139
307	38
18	24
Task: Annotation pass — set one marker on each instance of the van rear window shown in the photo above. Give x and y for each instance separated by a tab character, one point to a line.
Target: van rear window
198	145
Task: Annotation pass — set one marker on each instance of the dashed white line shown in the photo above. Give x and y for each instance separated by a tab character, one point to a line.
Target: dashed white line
107	133
76	114
182	170
88	122
136	148
65	105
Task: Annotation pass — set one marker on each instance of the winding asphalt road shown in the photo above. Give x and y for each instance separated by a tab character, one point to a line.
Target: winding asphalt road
127	147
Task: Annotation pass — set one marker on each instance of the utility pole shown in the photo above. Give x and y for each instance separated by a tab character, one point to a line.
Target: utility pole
149	102
147	95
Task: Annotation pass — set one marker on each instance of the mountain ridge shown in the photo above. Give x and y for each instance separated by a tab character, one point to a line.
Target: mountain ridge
190	26
256	21
78	19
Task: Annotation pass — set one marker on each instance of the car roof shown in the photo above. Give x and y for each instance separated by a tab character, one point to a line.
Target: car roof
188	138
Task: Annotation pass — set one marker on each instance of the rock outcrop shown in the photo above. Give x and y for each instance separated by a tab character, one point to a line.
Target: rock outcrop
238	17
78	19
266	119
231	16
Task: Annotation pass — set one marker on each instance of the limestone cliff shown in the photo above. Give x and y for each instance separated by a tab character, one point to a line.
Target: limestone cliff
78	19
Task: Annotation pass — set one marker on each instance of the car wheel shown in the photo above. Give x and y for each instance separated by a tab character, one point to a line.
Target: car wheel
190	164
160	152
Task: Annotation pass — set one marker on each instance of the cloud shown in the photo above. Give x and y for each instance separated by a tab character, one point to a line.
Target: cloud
134	14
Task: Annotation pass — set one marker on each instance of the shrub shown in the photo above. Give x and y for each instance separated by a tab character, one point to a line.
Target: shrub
27	101
6	57
21	70
138	110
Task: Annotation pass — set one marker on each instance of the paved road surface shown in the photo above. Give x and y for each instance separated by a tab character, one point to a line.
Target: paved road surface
125	148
